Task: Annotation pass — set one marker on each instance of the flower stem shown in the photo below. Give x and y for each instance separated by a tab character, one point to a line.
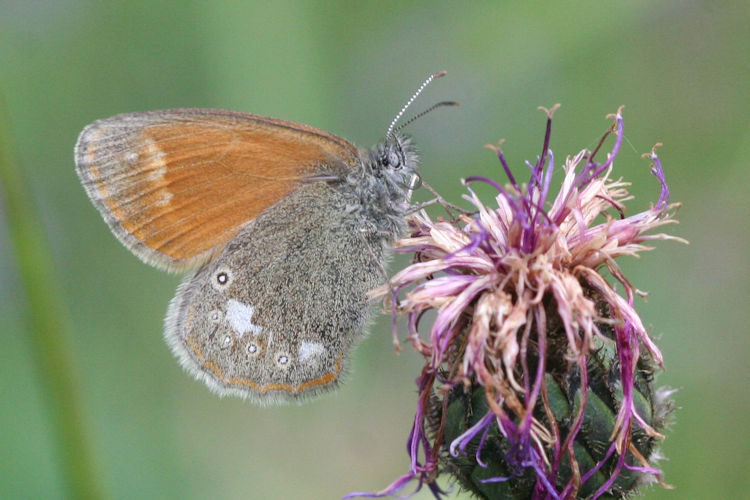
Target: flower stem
46	323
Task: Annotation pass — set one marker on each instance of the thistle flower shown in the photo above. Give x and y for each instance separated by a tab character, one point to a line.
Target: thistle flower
538	374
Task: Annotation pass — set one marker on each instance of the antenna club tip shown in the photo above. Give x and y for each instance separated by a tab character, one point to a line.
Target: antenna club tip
439	74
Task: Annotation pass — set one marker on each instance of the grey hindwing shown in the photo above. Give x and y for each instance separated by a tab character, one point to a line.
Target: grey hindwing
275	316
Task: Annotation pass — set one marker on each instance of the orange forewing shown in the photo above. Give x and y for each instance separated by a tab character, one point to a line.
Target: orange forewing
175	185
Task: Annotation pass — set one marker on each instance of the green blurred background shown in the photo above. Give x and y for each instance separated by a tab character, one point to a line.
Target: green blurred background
680	67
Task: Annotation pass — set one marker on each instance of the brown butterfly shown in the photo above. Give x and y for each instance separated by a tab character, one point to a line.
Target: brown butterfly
285	226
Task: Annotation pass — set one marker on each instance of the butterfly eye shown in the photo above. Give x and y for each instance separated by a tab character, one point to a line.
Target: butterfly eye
394	161
390	159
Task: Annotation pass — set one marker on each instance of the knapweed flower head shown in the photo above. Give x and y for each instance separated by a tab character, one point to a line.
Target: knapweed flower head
538	372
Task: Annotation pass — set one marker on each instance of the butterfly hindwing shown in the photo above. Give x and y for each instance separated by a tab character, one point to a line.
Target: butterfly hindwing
275	316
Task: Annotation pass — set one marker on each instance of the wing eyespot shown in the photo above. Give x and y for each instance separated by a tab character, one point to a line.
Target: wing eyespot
215	316
222	278
226	342
282	360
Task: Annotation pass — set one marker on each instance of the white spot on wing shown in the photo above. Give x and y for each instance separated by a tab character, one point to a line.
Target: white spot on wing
154	162
164	199
308	350
240	318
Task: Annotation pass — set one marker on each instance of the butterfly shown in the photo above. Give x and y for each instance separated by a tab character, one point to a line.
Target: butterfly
283	227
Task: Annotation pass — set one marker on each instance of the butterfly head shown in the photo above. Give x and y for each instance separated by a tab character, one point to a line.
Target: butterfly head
395	157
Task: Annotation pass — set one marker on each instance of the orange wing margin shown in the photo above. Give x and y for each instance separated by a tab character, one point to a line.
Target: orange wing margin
176	185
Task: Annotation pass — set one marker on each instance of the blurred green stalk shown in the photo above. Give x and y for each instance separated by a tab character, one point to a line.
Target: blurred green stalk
46	324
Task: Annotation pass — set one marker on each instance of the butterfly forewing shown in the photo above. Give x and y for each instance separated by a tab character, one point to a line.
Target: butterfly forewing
177	185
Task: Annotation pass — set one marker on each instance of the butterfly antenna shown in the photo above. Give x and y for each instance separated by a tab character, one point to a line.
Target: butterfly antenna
413	97
420	115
